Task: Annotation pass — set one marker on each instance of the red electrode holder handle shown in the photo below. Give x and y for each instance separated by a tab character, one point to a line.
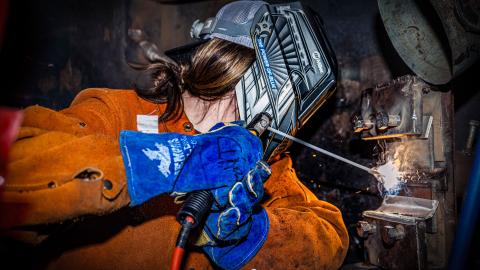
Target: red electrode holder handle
199	202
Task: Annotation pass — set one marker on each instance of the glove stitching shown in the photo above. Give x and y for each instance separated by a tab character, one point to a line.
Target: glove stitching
250	185
213	255
230	193
267	168
218	129
130	169
223	214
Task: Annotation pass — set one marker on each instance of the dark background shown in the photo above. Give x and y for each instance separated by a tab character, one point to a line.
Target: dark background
54	49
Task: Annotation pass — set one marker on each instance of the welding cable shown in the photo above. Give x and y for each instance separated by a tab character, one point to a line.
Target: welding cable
193	211
177	258
182	238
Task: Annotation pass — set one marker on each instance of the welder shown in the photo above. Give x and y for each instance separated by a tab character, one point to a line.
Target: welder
113	153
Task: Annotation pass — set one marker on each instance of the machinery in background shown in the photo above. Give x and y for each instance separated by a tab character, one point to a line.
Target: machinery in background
413	122
437	39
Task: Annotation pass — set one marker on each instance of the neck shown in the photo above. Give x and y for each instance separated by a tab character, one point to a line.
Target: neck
205	114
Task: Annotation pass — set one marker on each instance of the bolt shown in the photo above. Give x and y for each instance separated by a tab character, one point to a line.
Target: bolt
358	123
364	229
394	120
392	234
384	120
381	120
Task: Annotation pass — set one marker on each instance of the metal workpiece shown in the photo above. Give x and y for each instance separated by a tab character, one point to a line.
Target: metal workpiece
419	223
398	226
436	38
402	209
395	108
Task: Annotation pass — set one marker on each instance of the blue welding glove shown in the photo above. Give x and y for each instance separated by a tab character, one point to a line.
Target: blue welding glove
175	163
229	219
226	161
237	226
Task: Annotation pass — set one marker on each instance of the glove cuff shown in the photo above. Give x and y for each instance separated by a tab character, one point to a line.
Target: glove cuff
153	162
235	256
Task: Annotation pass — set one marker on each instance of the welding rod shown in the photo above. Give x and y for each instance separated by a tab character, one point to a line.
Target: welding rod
323	151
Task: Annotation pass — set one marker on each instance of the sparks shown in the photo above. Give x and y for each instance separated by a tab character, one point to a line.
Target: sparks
390	177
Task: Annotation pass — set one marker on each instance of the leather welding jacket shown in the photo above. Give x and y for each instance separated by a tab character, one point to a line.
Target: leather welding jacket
66	168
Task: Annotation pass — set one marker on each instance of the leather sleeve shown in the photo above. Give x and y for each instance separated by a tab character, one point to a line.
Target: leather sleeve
305	233
66	164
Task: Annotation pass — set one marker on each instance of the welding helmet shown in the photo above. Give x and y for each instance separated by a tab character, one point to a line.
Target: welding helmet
295	67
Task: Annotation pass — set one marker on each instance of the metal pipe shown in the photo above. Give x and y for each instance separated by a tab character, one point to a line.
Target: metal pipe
468	218
472	134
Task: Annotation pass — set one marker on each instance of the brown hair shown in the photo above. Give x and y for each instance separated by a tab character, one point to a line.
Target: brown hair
213	70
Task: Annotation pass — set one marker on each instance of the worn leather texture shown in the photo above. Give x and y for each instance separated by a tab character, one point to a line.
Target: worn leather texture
65	193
